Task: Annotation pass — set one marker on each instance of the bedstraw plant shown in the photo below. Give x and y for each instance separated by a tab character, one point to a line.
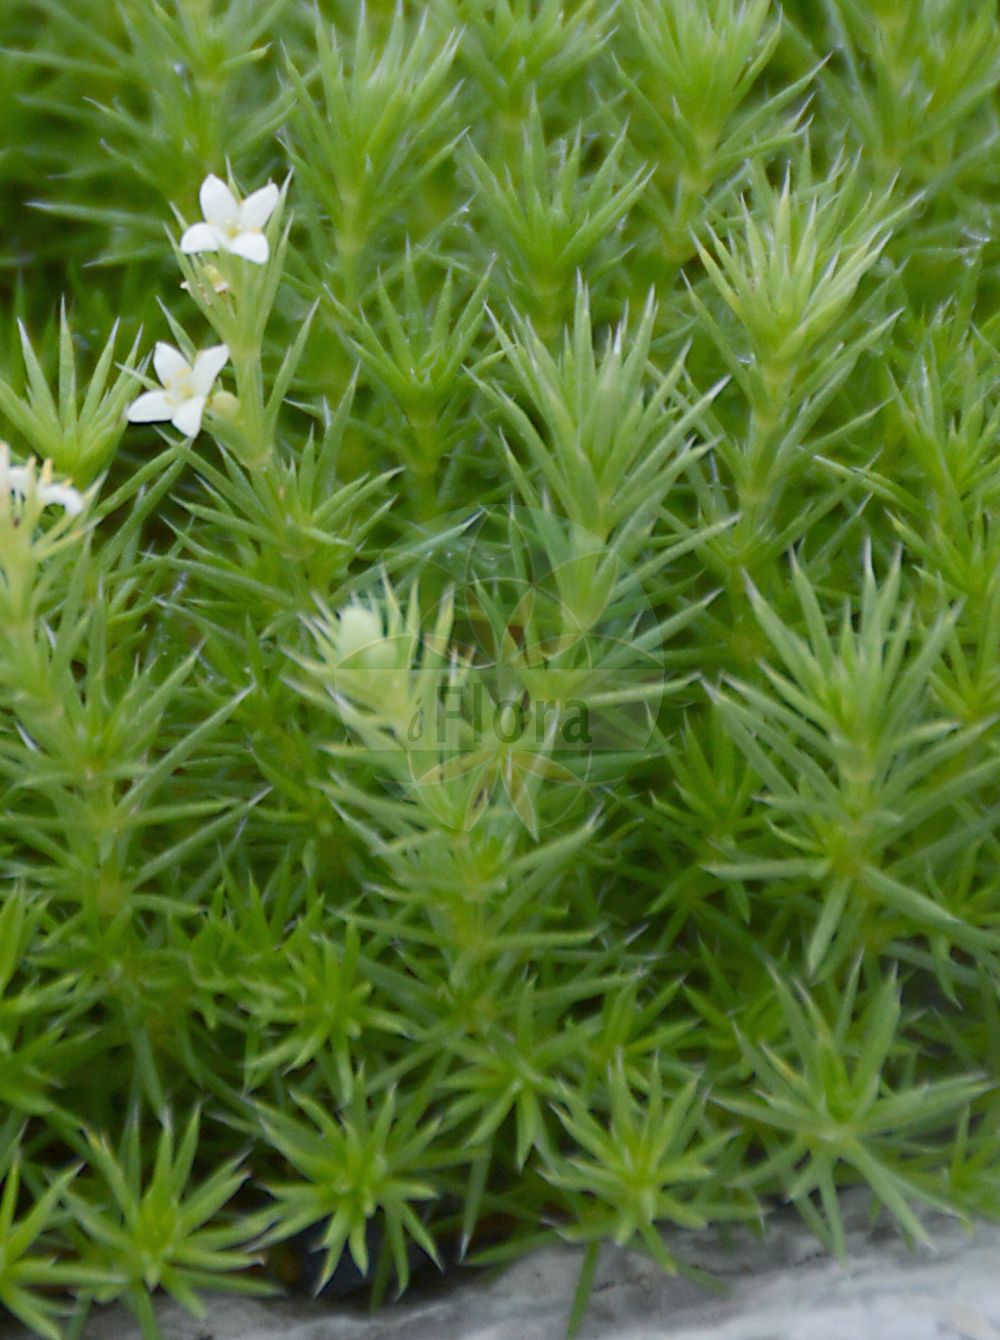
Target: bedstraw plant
499	610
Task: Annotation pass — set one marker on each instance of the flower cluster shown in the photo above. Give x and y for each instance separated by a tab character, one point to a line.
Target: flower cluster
232	226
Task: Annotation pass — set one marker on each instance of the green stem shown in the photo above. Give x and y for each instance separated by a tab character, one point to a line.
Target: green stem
425	495
761	488
509	123
252	417
350	242
423	469
550	294
689	201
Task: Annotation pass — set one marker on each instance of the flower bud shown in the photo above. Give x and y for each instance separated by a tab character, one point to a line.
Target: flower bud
225	405
361	638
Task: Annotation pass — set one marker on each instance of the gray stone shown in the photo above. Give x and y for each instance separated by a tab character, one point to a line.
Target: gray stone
782	1286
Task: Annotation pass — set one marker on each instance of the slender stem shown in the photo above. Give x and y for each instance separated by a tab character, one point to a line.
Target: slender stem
550	290
250	391
761	488
350	242
423	470
425	495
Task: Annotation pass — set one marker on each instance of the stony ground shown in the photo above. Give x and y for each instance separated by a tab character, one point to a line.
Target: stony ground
784	1288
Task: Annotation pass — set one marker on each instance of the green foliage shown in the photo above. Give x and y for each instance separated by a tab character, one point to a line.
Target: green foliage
26	1274
367	129
545	224
837	1105
143	1233
351	1167
418	354
166	90
594	428
912	82
644	1167
527	767
516	51
859	773
78	437
689	70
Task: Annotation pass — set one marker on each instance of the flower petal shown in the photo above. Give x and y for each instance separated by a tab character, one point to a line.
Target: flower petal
199	237
187	417
258	207
18	479
151	407
169	363
218	204
207	366
251	246
64	495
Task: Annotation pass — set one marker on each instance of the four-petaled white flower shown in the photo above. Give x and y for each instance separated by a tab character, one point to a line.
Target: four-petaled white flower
35	486
186	388
230	225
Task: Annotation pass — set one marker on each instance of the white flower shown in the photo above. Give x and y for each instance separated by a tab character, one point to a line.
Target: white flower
186	388
36	487
230	225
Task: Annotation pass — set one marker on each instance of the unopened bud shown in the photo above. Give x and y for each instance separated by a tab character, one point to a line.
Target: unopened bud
225	405
361	638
